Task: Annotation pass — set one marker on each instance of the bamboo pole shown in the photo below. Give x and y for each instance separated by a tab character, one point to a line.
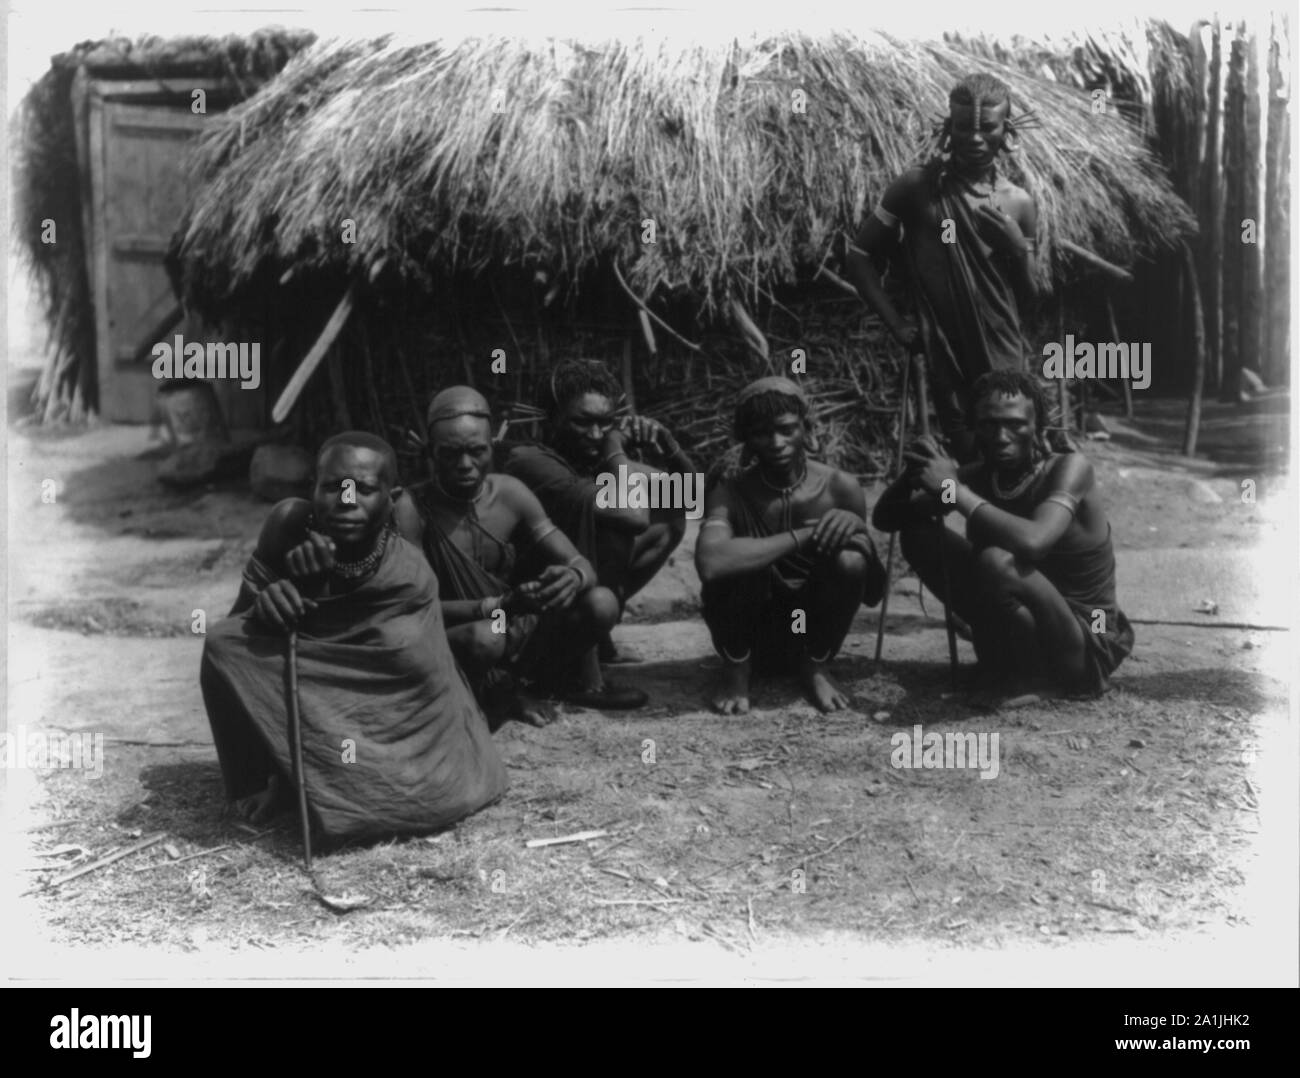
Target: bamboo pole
1193	426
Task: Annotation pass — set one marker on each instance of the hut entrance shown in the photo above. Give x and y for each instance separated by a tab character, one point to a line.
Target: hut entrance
136	133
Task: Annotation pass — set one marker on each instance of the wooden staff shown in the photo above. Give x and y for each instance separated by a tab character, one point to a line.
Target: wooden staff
893	536
295	740
923	408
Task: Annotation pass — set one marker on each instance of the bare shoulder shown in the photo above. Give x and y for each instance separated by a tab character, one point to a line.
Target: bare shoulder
285	526
1072	472
511	490
1017	202
406	514
906	189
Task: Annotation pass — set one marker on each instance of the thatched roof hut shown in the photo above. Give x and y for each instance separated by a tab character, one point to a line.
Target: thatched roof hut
499	192
52	181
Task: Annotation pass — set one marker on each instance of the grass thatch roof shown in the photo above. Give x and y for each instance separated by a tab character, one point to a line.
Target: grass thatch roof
489	152
48	183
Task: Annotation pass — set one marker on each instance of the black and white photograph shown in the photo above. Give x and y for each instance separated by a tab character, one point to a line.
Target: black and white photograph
588	495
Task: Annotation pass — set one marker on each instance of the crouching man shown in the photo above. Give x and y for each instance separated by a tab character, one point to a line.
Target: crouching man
392	738
783	554
1034	575
493	549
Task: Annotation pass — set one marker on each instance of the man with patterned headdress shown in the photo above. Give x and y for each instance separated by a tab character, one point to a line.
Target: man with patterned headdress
484	534
968	239
783	554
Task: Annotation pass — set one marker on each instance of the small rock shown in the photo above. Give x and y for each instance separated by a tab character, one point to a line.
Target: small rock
880	716
1137	743
171	851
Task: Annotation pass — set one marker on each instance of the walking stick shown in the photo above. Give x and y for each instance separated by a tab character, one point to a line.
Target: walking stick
295	739
923	407
893	536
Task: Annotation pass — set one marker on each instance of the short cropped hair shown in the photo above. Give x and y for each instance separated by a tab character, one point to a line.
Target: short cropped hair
764	408
1009	383
572	378
360	439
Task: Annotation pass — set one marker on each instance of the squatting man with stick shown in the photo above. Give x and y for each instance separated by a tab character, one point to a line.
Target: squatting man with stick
1034	575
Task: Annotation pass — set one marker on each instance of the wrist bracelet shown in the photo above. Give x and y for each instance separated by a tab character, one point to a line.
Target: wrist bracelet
971	512
797	544
582	575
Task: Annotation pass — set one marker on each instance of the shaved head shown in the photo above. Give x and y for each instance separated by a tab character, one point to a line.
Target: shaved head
359	439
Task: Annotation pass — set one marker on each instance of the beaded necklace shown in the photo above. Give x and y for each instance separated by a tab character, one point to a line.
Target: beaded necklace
1019	488
785	492
353	570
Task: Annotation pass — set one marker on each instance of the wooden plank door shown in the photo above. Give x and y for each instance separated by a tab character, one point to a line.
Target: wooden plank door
138	142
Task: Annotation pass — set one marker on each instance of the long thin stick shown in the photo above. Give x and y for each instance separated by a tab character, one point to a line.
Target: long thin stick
893	536
143	844
1118	273
923	407
654	317
295	737
312	360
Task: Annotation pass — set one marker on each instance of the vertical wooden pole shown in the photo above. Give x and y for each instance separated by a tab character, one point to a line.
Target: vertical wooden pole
1211	210
626	370
1193	427
1232	261
1114	336
1277	217
1252	284
1062	385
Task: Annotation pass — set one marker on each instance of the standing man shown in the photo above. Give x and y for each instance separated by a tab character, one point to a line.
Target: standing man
628	545
783	554
1034	575
968	240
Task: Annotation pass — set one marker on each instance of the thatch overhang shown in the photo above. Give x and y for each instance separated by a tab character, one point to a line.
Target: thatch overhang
455	159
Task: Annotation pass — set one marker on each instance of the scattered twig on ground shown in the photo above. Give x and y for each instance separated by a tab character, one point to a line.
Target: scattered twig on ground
1110	906
636	901
181	860
580	836
117	855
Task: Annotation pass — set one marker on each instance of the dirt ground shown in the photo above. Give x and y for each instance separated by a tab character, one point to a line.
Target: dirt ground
1121	836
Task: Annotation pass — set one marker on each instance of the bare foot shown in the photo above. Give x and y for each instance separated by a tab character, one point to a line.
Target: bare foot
730	695
821	689
262	806
533	711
